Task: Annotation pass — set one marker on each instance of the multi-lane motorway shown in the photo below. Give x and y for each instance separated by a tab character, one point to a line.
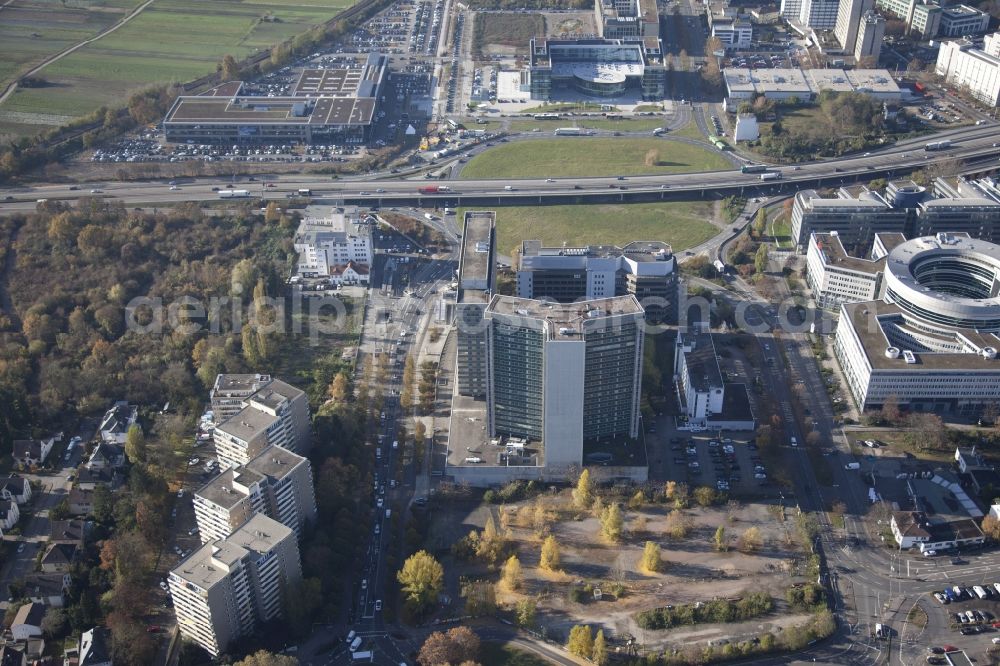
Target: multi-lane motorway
977	144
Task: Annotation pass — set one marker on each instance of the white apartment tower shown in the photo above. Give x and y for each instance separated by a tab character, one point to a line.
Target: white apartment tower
226	588
849	21
870	35
273	413
276	483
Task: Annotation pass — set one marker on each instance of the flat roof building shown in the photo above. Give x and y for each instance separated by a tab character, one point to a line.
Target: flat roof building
644	269
273	414
227	588
965	66
922	18
835	277
341	237
560	374
277	483
624	19
336	105
962	20
931	341
603	68
806	85
476	274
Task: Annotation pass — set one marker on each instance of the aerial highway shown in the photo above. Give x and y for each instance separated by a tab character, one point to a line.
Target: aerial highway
972	145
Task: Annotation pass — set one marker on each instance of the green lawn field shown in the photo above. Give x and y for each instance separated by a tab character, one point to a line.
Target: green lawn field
170	41
587	156
683	224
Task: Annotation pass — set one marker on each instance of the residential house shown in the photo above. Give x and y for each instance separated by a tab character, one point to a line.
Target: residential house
11	656
9	514
15	488
116	422
107	455
349	273
81	502
73	531
95	648
913	529
47	588
27	622
59	557
29	452
89	478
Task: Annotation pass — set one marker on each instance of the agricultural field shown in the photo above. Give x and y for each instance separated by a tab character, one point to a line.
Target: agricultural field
683	224
169	41
586	156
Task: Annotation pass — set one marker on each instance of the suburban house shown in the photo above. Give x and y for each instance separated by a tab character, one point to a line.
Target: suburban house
349	273
59	557
15	488
116	422
81	502
28	622
88	478
72	531
913	529
107	455
95	648
47	588
28	452
9	514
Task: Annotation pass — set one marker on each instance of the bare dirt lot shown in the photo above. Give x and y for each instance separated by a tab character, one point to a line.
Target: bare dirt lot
569	24
693	569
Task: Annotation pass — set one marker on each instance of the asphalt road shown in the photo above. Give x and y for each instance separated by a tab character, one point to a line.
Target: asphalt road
972	142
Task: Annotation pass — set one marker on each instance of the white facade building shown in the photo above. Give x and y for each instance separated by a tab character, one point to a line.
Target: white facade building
335	240
871	33
226	588
276	414
734	33
698	377
932	341
277	483
746	128
836	277
965	66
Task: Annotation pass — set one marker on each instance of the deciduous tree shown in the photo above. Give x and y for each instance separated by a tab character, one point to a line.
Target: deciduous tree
583	494
581	641
421	579
652	560
549	559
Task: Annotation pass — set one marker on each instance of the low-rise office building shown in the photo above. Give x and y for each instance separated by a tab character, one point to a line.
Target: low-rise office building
931	342
805	85
227	588
276	483
327	244
964	65
705	399
835	277
627	19
734	33
644	269
962	20
597	67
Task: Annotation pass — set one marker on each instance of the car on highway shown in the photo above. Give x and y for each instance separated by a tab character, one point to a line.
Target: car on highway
378	604
20	548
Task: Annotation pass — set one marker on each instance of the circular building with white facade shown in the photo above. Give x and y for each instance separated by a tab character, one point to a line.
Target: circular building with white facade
946	281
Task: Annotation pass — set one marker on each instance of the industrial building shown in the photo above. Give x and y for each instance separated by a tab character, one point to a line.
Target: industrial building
977	70
228	588
273	413
806	85
336	105
644	269
562	373
477	268
604	68
931	341
327	245
276	483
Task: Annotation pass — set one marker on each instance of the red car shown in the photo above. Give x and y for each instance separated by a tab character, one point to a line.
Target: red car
949	648
153	629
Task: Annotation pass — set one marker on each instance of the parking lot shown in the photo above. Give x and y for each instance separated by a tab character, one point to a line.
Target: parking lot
726	463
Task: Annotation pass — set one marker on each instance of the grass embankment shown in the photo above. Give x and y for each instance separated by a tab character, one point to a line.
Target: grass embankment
587	156
681	223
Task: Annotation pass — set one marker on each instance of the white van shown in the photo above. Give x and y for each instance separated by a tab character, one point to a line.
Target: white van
350	636
793	441
980	592
355	644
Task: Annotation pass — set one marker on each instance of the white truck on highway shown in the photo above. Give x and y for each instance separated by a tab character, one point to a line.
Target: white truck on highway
234	194
771	175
